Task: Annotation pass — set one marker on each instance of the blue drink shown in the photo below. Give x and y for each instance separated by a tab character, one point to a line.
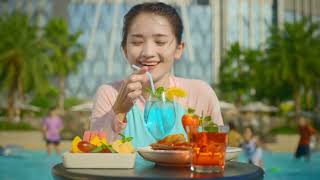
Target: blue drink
160	117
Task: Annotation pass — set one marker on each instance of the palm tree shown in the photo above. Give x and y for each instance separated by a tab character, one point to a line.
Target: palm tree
293	57
23	64
65	52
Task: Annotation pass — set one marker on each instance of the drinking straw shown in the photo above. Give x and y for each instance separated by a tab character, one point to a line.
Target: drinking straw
149	77
163	97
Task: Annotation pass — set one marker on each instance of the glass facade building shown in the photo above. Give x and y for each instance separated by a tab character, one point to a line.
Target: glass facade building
210	27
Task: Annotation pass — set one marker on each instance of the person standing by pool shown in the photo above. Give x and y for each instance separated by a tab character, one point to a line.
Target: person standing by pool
151	40
252	147
306	131
234	137
52	126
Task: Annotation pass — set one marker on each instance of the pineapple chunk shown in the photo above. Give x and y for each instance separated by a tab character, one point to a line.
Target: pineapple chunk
121	147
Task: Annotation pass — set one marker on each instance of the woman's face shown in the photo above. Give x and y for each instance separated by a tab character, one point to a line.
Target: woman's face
151	43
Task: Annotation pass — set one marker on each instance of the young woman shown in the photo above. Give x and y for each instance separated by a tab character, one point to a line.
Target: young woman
152	40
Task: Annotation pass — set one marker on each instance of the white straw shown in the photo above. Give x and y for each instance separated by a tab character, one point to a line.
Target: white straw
149	77
163	97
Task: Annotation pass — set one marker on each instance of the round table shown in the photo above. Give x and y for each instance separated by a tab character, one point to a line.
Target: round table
147	170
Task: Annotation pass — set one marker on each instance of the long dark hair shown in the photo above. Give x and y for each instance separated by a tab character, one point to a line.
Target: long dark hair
157	8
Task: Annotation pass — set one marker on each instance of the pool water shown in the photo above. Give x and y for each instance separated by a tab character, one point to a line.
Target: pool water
29	165
282	166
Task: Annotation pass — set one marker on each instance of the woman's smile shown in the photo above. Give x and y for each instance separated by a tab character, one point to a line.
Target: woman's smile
149	64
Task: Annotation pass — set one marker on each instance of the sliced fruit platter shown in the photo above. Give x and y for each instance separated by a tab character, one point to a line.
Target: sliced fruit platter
93	151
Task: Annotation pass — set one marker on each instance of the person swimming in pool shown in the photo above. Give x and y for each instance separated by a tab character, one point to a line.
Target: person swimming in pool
306	131
252	147
151	40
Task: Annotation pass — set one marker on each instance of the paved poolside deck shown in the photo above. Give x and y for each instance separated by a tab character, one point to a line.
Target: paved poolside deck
33	140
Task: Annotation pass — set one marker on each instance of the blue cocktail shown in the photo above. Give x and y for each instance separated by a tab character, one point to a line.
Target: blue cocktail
160	117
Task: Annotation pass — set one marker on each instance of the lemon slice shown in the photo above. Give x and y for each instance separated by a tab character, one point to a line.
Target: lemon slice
175	92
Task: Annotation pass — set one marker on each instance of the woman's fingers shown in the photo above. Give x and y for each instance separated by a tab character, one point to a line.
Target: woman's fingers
137	78
134	95
139	75
130	90
134	86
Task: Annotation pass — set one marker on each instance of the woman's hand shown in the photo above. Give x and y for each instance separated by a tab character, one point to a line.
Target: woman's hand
130	90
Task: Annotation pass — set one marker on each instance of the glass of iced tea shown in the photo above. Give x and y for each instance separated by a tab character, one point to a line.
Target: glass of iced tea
208	148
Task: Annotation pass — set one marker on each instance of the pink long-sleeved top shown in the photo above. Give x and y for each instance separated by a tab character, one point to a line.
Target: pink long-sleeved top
201	97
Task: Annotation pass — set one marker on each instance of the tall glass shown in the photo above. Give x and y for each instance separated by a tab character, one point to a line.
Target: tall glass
208	149
160	117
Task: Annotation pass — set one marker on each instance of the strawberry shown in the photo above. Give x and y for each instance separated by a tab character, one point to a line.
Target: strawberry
85	146
190	119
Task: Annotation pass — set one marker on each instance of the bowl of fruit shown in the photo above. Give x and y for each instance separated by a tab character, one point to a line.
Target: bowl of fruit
93	151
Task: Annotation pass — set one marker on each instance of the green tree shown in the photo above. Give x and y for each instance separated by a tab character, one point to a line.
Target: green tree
65	52
237	73
293	58
23	63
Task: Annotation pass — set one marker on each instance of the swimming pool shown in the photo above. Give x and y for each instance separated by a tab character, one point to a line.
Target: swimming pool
37	166
28	165
282	166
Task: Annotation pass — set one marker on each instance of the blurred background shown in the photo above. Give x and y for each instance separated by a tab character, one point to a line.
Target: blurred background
262	57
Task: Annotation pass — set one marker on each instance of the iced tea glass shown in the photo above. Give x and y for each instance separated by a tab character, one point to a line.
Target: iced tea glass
208	149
